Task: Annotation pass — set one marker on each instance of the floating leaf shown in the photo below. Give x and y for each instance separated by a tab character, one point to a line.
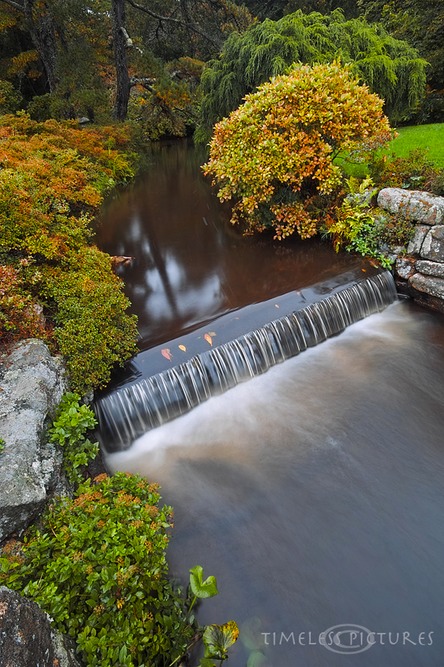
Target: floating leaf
183	348
208	338
212	333
166	353
276	305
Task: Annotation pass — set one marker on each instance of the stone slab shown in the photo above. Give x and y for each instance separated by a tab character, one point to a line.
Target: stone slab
416	205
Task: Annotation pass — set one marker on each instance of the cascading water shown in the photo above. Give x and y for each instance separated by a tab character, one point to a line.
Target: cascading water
126	414
313	492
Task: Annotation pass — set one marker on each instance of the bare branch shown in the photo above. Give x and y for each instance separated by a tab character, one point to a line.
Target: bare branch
15	5
171	19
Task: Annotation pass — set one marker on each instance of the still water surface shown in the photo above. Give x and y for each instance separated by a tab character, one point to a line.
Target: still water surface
315	492
190	265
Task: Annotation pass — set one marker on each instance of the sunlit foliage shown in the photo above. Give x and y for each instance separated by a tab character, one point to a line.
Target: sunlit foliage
274	155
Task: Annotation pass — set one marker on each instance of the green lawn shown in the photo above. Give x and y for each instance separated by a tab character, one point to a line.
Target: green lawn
430	138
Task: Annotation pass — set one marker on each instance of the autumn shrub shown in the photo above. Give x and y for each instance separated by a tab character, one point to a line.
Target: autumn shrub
20	316
53	177
274	155
92	327
97	565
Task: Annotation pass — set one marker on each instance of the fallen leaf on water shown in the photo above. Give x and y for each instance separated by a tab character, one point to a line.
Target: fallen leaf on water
166	353
364	270
208	339
212	333
183	348
276	305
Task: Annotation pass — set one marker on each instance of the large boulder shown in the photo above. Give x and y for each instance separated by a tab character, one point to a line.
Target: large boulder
428	284
421	207
27	638
433	244
31	386
429	268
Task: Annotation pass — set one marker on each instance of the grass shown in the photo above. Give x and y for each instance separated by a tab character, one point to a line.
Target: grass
429	138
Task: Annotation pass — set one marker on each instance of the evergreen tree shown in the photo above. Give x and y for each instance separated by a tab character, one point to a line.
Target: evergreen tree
390	67
420	22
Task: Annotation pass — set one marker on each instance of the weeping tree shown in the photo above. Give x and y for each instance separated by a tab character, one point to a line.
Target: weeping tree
421	23
390	67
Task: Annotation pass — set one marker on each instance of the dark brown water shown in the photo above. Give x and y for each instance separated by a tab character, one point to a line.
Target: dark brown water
190	265
314	492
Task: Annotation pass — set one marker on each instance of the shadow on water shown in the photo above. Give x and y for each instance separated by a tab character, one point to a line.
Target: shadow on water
314	493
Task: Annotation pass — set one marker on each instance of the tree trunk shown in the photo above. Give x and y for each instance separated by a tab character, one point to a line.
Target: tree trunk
120	59
43	34
187	22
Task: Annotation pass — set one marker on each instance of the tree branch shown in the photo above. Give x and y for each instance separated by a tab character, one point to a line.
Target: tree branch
171	19
15	5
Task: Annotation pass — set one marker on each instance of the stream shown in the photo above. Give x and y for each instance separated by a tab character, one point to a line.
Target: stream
314	493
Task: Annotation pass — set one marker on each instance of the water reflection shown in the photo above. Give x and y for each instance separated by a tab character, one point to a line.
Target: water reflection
314	493
190	265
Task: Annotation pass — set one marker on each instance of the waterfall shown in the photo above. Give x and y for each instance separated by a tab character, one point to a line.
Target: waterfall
127	413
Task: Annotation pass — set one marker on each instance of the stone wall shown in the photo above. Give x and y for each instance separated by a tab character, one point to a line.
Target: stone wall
420	274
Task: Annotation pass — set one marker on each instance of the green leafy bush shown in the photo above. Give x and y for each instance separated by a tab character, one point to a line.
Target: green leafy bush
356	226
92	328
97	566
413	172
10	98
68	430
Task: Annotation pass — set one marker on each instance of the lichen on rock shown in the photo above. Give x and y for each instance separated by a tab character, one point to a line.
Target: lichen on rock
31	385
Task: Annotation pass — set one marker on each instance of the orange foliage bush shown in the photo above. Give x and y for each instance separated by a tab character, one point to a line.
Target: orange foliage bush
53	177
19	316
274	155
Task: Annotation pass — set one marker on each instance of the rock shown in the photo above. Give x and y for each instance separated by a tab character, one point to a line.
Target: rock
428	284
116	260
422	207
26	636
405	267
415	245
430	268
433	244
31	386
